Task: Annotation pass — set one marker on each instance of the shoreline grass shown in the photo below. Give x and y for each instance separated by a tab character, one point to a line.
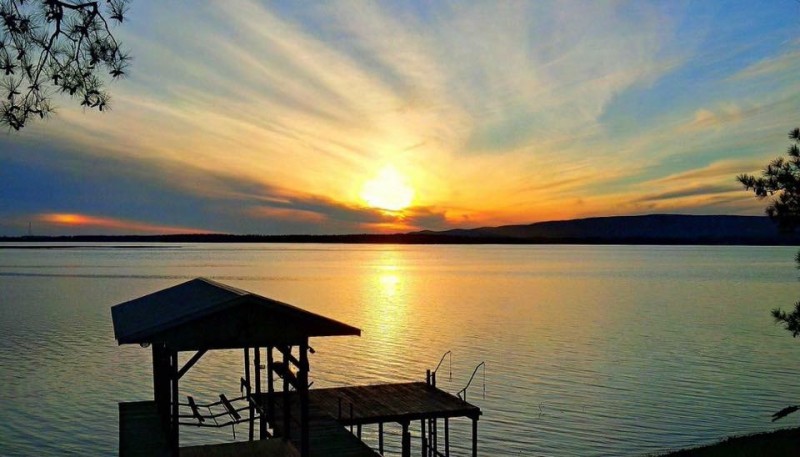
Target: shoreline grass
779	443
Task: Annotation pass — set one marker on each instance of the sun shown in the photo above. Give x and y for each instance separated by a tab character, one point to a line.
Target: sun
388	190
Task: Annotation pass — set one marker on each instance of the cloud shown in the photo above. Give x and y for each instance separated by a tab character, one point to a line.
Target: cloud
690	191
325	211
269	117
705	118
771	66
89	224
723	169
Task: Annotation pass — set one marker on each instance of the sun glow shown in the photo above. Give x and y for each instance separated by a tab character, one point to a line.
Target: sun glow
388	190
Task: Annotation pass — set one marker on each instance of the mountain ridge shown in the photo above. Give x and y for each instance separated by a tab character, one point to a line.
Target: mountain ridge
667	229
639	227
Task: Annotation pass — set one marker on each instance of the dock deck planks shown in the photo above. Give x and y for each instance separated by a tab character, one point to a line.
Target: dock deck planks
398	402
372	404
260	448
327	437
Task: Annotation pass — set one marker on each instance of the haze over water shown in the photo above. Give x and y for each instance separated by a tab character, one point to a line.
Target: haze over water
590	350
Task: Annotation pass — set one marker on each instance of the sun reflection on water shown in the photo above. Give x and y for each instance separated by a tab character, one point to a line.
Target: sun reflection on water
389	283
388	296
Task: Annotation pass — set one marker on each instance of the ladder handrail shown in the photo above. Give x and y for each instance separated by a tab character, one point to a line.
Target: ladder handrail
442	360
464	390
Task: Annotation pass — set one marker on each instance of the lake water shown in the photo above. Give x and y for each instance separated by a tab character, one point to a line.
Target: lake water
589	350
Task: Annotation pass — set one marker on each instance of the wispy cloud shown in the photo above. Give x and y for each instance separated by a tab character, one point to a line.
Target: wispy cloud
89	224
276	114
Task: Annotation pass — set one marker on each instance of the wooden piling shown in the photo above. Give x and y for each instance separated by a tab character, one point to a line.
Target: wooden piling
423	438
175	429
287	409
262	426
446	437
474	437
406	441
302	388
380	437
251	408
270	387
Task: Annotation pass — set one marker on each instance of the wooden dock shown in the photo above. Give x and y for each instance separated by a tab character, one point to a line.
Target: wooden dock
332	410
201	316
401	402
328	438
258	448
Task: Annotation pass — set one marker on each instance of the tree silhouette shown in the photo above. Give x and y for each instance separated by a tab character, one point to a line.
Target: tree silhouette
780	181
56	46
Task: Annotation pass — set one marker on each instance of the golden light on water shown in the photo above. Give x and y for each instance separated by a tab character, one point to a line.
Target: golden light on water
389	282
388	311
388	190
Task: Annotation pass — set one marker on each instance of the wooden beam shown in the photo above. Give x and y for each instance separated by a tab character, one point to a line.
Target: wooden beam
406	441
475	437
380	438
270	388
161	381
287	410
423	439
287	353
262	425
302	389
175	419
446	437
251	409
432	425
190	363
229	407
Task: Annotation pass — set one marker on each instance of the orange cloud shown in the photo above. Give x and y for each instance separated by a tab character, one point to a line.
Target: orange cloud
108	223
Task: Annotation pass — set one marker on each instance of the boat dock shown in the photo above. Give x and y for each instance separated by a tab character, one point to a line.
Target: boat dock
401	403
284	417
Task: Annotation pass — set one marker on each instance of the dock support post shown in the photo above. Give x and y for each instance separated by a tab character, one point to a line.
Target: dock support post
262	426
380	438
446	437
406	446
175	441
250	409
474	437
162	385
433	431
302	377
423	439
270	389
287	410
358	431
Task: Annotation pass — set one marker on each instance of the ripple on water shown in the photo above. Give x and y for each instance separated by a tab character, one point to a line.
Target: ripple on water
589	350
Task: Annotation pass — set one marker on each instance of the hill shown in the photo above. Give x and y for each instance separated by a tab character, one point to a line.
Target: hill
653	228
649	229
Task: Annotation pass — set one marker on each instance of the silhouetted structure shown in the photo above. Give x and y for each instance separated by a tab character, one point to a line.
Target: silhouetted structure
202	315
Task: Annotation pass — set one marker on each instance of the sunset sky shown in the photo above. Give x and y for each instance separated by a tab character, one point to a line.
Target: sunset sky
352	117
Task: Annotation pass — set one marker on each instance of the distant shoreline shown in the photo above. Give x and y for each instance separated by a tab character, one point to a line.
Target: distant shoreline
437	239
651	229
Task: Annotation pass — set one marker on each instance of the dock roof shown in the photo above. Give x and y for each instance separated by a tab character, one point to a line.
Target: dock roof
204	314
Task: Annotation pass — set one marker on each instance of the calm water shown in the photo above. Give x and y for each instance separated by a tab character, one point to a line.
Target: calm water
590	350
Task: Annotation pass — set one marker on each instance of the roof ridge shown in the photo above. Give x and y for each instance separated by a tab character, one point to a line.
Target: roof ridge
227	287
